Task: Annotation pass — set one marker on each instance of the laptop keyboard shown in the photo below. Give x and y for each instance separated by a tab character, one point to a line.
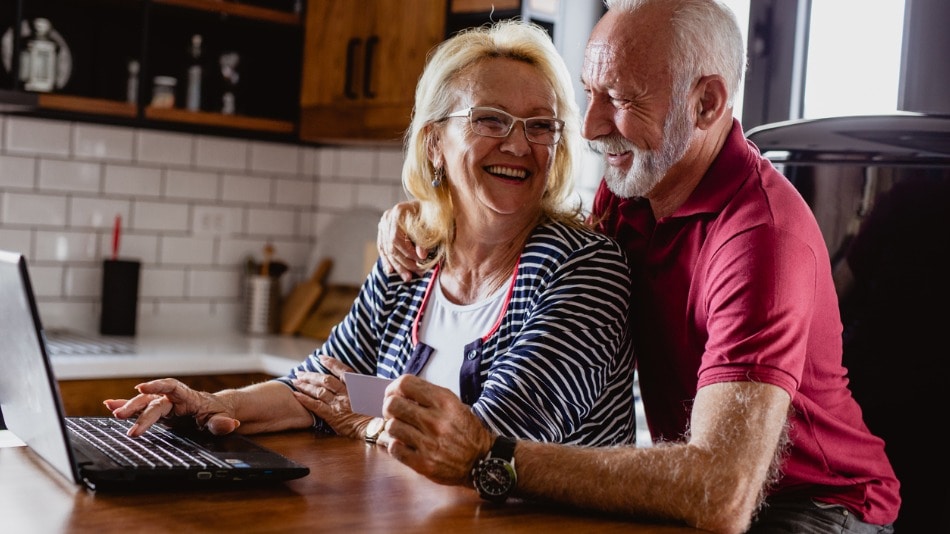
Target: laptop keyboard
156	449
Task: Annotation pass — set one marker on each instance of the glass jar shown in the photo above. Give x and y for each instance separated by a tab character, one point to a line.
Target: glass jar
163	91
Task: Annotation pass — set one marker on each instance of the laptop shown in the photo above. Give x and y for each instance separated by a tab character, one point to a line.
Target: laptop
95	451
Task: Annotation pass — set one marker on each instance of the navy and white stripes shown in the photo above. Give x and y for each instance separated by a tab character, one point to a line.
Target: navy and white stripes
559	368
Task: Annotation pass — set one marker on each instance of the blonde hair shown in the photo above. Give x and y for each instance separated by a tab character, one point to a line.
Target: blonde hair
432	226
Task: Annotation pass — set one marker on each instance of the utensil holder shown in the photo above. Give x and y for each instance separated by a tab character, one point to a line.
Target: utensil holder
261	304
120	297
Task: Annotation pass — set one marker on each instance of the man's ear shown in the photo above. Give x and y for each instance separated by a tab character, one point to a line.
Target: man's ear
713	95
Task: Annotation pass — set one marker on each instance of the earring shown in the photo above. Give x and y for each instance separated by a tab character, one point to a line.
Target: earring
439	175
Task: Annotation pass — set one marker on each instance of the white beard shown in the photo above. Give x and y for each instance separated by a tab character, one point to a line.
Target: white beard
649	166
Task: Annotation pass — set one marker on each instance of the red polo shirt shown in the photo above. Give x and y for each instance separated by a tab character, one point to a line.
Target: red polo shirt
736	285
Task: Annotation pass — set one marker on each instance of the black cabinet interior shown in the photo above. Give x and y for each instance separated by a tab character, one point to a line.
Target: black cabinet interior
104	36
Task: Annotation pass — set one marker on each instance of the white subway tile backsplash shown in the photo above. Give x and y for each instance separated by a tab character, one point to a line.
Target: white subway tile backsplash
214	284
356	163
336	195
17	172
47	280
64	246
191	185
390	166
217	153
83	282
82	315
97	212
160	216
92	141
17	241
161	283
187	251
293	192
193	209
309	161
272	157
36	136
327	161
185	309
70	175
216	220
164	148
33	209
236	188
132	181
378	196
271	222
132	246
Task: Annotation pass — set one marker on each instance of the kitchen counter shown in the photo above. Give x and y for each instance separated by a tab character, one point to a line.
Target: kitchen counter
191	354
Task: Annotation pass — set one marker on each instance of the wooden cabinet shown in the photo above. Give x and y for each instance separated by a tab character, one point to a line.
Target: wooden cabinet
103	38
361	63
362	60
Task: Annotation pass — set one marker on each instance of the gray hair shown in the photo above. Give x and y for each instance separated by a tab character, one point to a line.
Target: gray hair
706	40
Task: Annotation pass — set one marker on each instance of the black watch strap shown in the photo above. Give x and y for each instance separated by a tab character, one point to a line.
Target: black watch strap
494	476
504	448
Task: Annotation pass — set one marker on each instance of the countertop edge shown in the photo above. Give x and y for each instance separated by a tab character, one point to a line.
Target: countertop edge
180	356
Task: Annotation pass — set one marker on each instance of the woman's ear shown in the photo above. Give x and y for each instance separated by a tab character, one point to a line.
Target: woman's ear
713	96
434	146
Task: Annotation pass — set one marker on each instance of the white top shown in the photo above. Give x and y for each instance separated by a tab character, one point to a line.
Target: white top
447	327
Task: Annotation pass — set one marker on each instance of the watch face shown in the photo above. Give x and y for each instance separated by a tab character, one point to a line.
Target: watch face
374	429
495	477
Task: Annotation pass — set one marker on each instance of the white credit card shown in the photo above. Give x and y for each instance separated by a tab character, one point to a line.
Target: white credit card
366	393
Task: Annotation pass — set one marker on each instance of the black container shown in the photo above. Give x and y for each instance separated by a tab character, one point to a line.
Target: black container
120	297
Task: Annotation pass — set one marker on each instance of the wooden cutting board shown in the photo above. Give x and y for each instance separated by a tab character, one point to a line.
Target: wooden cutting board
300	302
333	307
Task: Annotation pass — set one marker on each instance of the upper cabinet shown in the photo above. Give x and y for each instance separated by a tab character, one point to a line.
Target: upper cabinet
361	64
321	71
362	61
217	66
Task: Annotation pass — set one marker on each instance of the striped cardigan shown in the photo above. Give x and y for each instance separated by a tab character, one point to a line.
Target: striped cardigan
560	366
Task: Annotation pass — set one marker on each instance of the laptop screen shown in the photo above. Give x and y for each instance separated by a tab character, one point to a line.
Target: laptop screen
28	390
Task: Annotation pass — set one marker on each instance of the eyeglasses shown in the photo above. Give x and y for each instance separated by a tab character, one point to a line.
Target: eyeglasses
491	122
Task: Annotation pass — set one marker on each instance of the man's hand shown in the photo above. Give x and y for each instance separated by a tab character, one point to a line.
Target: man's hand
167	398
395	249
429	429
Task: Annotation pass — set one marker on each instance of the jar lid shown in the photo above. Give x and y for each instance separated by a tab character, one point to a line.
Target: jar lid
165	80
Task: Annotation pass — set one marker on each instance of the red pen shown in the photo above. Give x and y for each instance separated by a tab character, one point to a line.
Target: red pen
116	231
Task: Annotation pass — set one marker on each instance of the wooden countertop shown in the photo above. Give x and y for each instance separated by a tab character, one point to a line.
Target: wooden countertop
352	488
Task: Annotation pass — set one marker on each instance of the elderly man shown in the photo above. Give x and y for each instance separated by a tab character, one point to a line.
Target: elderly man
736	323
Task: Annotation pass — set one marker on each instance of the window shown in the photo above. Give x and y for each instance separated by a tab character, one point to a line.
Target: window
854	56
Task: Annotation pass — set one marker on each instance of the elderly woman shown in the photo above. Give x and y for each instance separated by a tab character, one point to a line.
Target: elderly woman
521	310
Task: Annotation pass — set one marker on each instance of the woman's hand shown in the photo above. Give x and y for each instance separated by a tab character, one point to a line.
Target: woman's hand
396	251
326	396
168	398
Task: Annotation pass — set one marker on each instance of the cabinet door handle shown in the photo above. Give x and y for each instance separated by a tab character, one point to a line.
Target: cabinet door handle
371	45
352	48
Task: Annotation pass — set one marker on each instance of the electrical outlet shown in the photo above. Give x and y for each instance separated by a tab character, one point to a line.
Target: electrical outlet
211	221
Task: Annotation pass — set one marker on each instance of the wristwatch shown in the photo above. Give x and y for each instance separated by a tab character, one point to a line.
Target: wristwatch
374	429
494	476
